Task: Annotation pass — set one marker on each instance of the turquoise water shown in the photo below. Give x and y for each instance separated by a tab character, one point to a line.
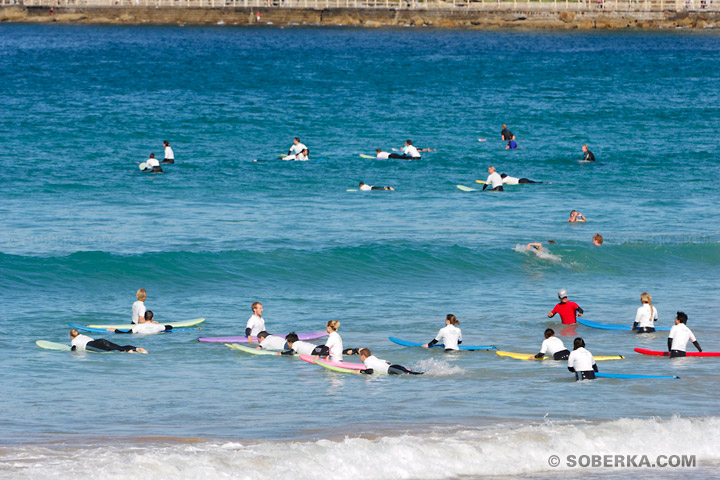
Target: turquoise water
83	229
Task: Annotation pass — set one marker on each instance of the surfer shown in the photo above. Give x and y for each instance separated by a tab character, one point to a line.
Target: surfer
295	148
553	347
334	341
576	216
494	180
581	361
679	336
153	165
271	342
409	152
598	240
149	326
508	180
255	323
569	311
512	145
587	154
380	155
138	308
537	246
366	188
450	335
298	347
506	134
82	342
646	315
169	154
375	365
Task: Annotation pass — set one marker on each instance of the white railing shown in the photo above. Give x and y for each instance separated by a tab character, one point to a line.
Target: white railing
457	5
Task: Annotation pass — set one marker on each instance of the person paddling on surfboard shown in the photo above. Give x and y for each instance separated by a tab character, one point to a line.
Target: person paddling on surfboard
569	311
679	336
296	147
646	315
152	165
366	188
450	335
271	342
298	347
508	180
553	347
148	327
375	365
493	180
83	342
581	361
169	156
256	323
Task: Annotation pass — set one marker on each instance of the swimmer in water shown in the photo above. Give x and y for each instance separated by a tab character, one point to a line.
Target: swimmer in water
303	156
537	246
581	361
83	342
512	145
576	216
366	188
506	134
148	327
450	335
553	347
587	154
169	156
256	323
153	165
508	180
646	315
569	311
375	365
494	180
598	240
679	335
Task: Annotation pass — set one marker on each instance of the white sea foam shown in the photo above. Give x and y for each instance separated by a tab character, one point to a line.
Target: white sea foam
542	254
468	453
437	368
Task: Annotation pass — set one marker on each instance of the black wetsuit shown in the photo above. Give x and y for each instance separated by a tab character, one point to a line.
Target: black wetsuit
585	374
393	370
403	156
525	180
506	134
106	346
562	355
588	156
168	160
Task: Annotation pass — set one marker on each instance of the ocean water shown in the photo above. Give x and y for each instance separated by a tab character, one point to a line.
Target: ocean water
83	229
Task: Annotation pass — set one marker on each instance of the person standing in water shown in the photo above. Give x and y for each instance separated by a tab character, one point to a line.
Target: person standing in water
506	134
581	361
153	165
450	335
646	315
296	147
493	180
256	323
587	154
576	216
679	335
569	311
169	154
334	341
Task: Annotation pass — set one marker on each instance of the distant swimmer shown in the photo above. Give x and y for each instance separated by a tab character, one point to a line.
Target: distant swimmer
646	315
569	311
334	341
576	216
271	342
581	361
506	134
83	342
152	164
512	145
553	347
298	347
450	335
508	180
598	240
296	147
537	246
256	323
169	154
494	180
366	188
587	154
149	327
679	336
375	365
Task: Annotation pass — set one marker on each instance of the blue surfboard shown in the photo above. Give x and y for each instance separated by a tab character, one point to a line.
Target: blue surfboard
630	376
613	326
83	328
405	343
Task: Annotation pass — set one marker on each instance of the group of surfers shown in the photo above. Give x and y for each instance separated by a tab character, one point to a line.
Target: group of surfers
152	164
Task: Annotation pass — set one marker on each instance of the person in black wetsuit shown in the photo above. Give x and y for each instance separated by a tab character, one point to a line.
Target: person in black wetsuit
365	187
506	134
507	180
83	342
587	154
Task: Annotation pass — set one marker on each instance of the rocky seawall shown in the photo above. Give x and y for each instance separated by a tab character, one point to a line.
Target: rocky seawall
486	19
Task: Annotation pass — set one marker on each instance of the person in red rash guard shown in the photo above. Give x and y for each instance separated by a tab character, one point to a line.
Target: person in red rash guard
569	311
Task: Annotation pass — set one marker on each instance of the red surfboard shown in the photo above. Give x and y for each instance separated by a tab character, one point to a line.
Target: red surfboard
645	351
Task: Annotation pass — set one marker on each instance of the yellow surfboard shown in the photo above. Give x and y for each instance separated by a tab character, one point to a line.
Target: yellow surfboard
531	356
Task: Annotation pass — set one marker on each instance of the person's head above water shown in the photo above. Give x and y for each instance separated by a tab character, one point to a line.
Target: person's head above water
578	343
504	125
74	333
549	333
149	315
332	326
597	240
361	184
681	317
408	142
491	169
584	148
152	155
291	338
364	353
378	150
305	152
166	143
296	140
562	294
451	319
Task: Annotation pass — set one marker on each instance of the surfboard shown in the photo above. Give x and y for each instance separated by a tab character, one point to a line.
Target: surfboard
333	368
345	365
125	330
52	345
251	350
631	376
530	356
481	181
613	326
466	189
373	157
351	190
239	339
405	343
121	326
142	166
658	353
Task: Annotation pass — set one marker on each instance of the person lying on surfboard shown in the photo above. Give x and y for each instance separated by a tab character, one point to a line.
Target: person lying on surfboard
296	147
271	342
82	342
581	361
646	315
508	180
450	335
553	347
375	365
679	336
148	327
298	347
366	188
569	311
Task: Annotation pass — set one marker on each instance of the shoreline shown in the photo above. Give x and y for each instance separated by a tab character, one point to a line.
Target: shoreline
371	18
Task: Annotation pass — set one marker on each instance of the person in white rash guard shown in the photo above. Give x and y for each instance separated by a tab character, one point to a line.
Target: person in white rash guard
296	147
364	187
581	361
494	181
298	347
334	341
80	342
380	155
410	152
375	365
148	327
679	336
646	315
303	156
271	342
508	180
553	347
138	308
169	154
255	323
152	164
450	335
